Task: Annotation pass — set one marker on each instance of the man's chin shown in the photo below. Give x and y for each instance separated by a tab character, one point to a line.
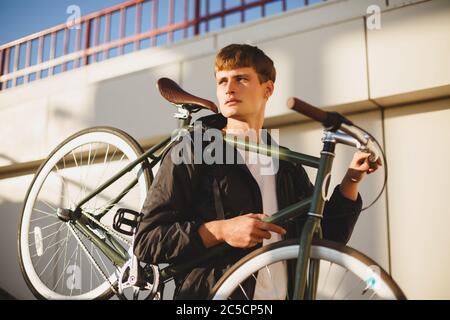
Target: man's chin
234	116
227	113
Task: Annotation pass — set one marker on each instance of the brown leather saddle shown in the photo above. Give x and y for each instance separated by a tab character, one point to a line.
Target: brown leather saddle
173	93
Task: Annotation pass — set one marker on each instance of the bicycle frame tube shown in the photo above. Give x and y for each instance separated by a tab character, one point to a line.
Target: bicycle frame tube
312	225
117	258
278	152
313	278
148	154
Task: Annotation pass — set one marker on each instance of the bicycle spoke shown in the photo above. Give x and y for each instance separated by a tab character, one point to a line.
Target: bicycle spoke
65	185
352	289
103	172
51	246
56	263
88	255
93	158
65	265
65	256
103	262
81	171
272	281
110	202
340	282
40	218
49	235
53	215
326	277
48	263
81	282
100	180
50	225
54	209
73	283
77	166
90	275
87	170
42	255
243	291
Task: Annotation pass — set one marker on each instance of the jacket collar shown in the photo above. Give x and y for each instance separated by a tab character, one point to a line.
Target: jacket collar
218	121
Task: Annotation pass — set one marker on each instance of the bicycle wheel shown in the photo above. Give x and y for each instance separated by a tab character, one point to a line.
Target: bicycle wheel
56	260
344	273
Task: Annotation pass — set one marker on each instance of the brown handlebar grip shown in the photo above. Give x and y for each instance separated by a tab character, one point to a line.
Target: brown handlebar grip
307	109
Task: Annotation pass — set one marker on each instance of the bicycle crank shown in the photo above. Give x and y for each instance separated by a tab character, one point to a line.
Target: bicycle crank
140	280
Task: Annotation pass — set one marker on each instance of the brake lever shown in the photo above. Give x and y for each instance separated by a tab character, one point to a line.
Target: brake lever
370	147
366	144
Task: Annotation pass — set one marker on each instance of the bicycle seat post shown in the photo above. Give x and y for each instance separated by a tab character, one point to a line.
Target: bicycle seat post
184	117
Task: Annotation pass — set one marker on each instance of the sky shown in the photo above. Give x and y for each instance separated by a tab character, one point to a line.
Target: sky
19	18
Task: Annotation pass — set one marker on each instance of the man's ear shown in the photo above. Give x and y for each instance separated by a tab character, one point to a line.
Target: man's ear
268	90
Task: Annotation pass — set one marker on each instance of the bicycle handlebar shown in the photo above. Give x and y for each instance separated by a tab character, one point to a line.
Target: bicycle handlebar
333	121
307	109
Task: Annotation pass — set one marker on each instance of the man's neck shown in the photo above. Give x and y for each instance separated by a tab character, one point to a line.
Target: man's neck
252	129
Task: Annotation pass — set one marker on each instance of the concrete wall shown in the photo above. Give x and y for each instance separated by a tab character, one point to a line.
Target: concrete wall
393	81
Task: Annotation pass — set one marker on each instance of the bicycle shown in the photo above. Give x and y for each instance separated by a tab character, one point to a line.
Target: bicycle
71	245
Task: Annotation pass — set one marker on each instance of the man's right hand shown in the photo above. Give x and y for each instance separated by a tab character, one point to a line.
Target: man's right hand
244	231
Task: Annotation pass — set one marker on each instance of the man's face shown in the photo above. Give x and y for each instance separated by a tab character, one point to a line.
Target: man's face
240	94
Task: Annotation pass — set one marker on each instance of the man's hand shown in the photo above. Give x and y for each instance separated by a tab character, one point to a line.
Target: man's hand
355	173
248	230
244	231
360	165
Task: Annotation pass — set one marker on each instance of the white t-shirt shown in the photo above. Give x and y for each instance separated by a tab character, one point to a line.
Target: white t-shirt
271	282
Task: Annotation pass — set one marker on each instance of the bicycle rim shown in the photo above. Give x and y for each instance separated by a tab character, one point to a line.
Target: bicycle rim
57	261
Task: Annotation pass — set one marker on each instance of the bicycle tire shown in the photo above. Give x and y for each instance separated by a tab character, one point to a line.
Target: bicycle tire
325	251
96	135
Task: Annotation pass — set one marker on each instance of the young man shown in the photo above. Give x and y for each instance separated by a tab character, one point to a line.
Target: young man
191	207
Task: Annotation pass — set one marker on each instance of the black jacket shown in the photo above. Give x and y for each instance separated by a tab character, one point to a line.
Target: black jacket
184	196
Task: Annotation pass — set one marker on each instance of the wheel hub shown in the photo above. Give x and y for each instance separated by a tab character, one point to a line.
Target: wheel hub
67	215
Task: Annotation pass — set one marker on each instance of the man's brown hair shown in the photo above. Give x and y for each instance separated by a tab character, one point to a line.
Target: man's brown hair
246	56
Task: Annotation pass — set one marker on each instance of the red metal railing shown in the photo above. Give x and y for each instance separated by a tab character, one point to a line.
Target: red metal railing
66	47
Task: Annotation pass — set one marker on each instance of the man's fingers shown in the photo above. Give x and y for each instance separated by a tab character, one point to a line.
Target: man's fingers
362	154
252	244
260	234
272	227
361	161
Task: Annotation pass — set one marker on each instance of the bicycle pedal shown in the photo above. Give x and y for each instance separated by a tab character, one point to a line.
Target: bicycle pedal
126	221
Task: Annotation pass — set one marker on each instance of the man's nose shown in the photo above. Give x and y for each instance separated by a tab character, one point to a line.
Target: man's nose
230	88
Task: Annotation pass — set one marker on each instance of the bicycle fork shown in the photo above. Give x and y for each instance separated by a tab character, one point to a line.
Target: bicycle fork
306	285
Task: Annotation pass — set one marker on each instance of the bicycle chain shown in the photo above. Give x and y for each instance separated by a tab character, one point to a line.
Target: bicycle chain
104	226
88	254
